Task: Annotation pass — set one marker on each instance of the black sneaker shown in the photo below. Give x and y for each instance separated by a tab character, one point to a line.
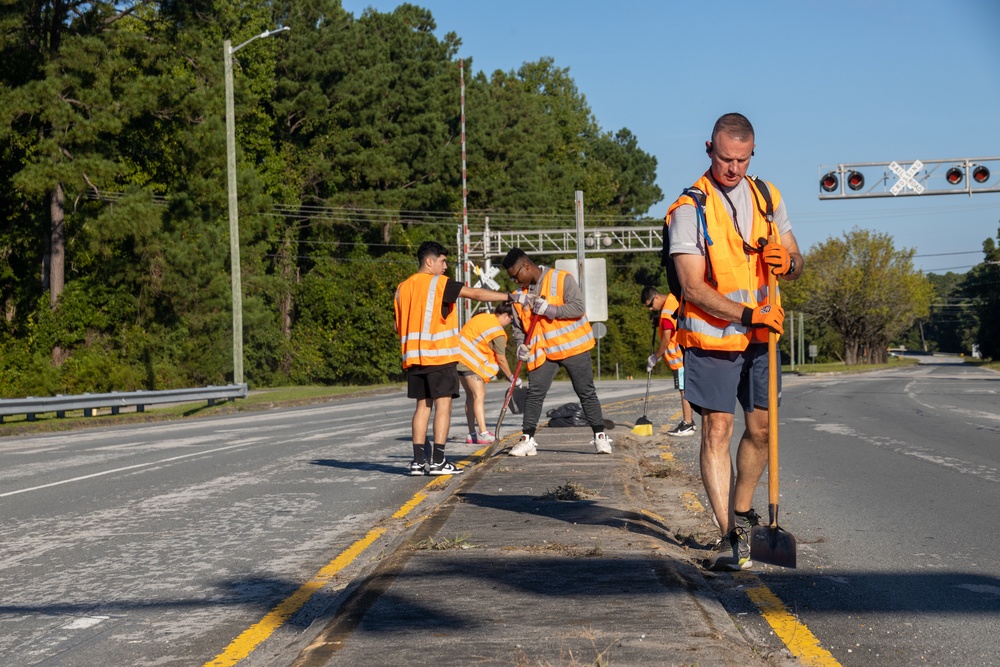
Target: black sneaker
446	467
749	521
731	554
417	468
682	429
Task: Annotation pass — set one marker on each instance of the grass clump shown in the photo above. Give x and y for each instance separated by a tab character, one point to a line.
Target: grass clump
430	544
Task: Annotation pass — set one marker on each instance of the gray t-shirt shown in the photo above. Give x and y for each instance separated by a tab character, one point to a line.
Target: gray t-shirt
686	238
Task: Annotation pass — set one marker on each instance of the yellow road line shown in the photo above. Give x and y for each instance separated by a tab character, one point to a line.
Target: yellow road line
654	515
417	498
691	502
796	636
253	636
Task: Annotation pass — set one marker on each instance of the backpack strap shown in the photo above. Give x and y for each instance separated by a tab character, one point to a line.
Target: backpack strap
699	198
768	210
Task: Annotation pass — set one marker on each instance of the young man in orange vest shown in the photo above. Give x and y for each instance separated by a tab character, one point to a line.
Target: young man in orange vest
427	324
484	344
666	305
562	337
724	320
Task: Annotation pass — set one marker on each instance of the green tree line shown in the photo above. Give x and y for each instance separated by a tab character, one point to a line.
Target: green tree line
113	227
114	238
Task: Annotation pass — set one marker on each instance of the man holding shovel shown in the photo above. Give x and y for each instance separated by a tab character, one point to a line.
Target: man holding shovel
716	229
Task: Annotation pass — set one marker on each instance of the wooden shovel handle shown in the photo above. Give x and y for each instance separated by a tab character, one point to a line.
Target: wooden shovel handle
772	397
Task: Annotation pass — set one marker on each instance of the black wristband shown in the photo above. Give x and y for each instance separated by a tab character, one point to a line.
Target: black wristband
791	266
747	318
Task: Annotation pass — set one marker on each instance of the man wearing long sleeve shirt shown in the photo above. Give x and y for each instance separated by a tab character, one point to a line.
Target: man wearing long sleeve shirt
562	337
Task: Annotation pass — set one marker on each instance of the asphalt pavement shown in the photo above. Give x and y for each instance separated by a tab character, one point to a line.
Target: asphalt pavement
564	558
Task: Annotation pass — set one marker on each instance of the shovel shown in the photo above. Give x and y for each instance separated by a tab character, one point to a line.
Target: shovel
642	425
771	543
510	392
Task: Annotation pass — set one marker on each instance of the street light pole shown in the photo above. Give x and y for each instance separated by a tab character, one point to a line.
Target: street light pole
234	215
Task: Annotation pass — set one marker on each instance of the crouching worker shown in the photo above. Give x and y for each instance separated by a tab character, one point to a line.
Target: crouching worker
484	344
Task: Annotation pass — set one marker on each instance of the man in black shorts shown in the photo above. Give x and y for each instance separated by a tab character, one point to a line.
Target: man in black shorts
427	324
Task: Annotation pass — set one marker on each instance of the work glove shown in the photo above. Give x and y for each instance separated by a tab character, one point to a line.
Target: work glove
777	258
651	362
523	352
522	299
540	307
517	382
764	316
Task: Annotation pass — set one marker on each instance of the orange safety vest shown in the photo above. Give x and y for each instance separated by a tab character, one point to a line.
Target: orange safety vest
426	337
738	278
555	339
477	353
673	354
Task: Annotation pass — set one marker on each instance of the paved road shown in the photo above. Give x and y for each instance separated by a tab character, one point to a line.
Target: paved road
890	482
159	544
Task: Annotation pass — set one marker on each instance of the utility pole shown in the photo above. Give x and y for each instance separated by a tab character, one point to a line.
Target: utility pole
234	214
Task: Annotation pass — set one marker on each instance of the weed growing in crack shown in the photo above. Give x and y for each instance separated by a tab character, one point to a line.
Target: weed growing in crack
430	544
568	491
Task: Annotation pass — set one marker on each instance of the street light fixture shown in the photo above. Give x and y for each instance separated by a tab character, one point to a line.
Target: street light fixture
234	216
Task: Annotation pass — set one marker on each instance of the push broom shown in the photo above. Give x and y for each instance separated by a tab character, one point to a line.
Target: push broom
642	425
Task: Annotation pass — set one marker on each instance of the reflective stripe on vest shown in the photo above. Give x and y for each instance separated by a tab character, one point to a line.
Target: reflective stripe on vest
426	337
560	338
739	279
475	339
673	354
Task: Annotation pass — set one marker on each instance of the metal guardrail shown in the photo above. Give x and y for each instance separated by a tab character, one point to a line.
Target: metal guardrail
116	400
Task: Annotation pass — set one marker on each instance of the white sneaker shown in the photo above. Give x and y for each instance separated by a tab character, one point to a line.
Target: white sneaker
526	446
602	443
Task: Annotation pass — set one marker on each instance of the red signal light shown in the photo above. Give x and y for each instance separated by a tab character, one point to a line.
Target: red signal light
980	174
829	182
954	175
855	180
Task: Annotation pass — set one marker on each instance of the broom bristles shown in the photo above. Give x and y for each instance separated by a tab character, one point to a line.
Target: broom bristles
643	429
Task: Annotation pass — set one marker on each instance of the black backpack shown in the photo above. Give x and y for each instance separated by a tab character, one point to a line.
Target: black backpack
667	262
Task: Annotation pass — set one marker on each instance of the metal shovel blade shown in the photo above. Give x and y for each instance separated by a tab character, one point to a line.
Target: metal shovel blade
772	544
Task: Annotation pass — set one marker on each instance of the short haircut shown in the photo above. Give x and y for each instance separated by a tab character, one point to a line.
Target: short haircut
734	125
431	249
504	308
513	256
648	292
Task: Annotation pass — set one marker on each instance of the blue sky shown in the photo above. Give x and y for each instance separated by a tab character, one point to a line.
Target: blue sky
823	83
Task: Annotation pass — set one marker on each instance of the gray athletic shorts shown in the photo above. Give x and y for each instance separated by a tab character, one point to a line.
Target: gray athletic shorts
717	380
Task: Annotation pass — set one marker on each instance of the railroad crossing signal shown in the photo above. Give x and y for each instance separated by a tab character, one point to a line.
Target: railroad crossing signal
906	178
486	277
927	177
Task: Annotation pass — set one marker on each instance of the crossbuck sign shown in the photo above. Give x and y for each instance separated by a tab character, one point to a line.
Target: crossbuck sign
906	179
486	277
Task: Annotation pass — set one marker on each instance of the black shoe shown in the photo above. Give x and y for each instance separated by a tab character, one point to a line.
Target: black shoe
731	554
682	429
749	521
417	468
446	467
